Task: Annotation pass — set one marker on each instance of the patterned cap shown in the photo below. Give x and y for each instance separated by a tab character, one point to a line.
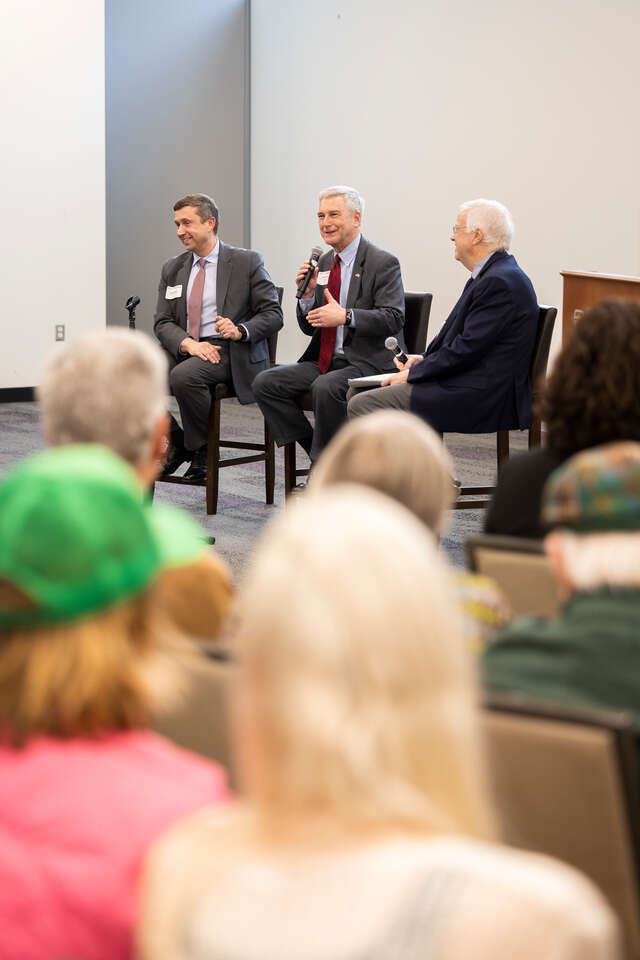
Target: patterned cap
596	490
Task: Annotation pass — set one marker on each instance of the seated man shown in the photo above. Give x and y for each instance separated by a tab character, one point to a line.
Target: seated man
474	376
353	302
217	307
590	653
111	389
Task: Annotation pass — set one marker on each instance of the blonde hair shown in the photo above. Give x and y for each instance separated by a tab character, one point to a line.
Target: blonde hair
355	699
197	597
397	454
110	671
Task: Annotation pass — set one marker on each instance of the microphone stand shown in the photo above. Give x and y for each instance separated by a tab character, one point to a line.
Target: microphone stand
131	305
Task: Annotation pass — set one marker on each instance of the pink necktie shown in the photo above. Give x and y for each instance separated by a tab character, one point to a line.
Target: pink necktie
195	302
328	334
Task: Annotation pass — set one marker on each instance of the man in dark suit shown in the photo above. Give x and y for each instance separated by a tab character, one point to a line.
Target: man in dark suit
217	306
353	302
474	376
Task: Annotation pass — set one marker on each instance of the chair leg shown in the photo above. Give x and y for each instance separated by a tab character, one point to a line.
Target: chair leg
269	463
289	468
535	433
502	442
213	457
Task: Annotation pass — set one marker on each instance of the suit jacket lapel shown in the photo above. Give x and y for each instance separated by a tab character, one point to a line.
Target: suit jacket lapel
356	273
182	277
223	275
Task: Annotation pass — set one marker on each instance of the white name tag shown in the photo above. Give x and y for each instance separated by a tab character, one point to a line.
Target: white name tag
323	277
172	293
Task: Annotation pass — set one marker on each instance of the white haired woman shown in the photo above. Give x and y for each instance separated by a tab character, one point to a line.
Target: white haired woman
366	830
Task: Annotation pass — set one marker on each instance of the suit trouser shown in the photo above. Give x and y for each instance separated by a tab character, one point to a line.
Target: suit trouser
397	396
190	381
276	391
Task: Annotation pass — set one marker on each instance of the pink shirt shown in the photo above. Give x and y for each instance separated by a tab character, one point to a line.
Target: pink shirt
76	819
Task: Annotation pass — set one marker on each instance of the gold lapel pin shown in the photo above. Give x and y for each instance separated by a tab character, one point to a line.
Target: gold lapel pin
357	276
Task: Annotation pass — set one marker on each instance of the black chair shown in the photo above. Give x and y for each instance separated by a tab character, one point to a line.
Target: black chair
417	307
538	370
264	451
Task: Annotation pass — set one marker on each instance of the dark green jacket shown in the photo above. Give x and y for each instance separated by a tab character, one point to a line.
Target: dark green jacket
589	654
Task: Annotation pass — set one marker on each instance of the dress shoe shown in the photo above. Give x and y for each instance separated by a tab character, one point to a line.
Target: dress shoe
198	469
176	458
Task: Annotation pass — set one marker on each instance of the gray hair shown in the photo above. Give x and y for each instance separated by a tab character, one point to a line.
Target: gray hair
493	219
109	388
352	198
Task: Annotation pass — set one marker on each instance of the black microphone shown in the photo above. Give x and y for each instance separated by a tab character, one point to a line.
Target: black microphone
316	253
392	344
131	305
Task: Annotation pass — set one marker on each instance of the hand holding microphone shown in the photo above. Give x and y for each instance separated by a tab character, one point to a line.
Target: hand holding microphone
306	276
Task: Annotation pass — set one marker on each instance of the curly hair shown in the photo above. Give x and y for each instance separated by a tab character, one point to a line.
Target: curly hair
593	393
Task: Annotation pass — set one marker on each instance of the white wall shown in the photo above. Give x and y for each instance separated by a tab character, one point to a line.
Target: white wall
52	247
424	105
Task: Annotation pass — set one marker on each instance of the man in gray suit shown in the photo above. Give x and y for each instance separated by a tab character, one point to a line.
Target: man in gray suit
217	306
353	302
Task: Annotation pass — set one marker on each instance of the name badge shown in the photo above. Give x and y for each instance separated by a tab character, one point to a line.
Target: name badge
323	277
172	293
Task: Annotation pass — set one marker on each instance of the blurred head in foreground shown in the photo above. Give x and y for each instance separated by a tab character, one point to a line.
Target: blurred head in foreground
109	388
592	502
354	710
85	641
592	395
397	454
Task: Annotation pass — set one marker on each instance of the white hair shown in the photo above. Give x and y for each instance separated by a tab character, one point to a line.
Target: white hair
493	219
352	198
593	560
396	453
109	388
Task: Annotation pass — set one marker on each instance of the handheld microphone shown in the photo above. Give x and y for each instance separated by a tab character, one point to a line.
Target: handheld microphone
392	344
316	253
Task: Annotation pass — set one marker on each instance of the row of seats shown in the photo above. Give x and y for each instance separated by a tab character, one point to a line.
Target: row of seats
565	780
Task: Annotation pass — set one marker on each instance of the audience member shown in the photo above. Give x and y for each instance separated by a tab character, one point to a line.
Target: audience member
401	456
590	653
353	302
111	388
367	828
217	307
474	376
591	397
86	659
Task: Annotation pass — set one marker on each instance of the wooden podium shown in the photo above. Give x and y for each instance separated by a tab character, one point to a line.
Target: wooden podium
582	290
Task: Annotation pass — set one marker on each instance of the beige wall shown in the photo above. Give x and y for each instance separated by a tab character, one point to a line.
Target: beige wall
52	173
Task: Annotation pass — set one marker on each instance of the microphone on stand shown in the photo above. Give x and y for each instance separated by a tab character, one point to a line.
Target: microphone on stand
392	344
131	305
315	255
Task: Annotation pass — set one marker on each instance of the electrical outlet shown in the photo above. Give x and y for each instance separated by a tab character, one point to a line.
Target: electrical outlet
59	331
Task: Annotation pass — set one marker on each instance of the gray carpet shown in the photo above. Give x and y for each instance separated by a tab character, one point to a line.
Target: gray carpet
242	512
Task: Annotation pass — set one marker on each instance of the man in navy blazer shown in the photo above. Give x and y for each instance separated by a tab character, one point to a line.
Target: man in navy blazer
474	376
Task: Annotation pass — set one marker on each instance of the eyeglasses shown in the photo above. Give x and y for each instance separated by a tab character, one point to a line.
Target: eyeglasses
457	226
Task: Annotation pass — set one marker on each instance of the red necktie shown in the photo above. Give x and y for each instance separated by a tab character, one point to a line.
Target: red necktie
195	302
328	334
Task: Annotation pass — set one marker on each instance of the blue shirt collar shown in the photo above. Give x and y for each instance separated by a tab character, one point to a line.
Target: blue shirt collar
348	255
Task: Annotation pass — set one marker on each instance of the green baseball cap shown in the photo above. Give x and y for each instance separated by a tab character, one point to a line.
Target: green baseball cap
76	537
597	490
